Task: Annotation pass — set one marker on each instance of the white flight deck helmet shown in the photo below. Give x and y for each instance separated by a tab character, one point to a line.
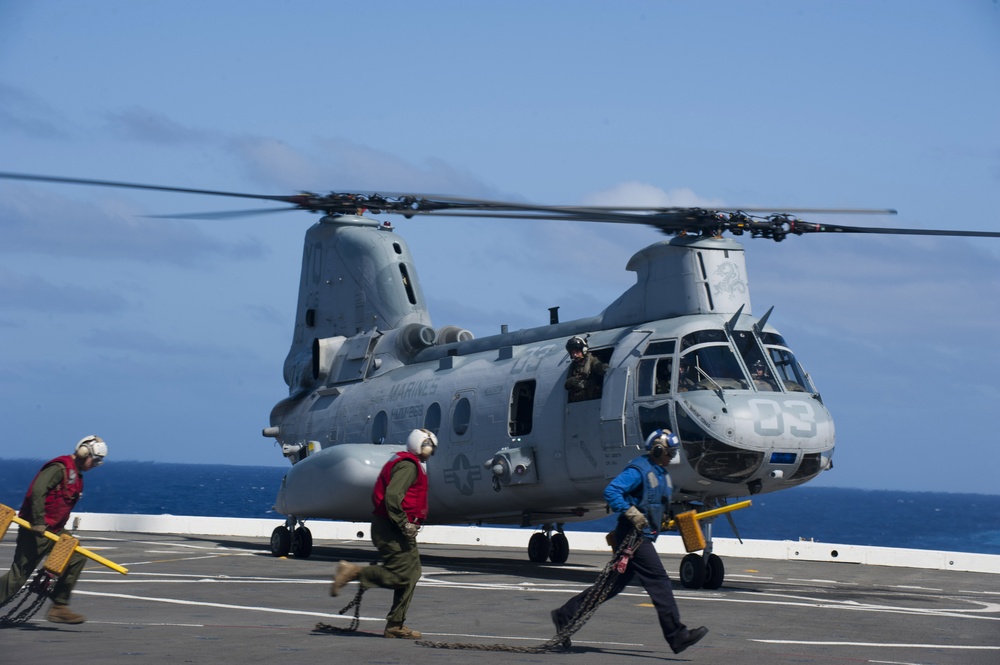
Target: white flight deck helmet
663	442
91	446
421	442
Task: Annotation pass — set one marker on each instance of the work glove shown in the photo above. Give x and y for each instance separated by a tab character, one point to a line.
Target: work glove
636	517
410	530
39	530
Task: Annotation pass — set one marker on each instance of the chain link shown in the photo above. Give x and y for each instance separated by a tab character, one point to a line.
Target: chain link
596	595
36	592
355	621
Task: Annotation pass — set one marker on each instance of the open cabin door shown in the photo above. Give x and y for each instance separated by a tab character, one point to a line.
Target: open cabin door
595	430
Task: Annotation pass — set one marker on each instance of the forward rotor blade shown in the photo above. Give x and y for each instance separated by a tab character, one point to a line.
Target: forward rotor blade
132	185
225	214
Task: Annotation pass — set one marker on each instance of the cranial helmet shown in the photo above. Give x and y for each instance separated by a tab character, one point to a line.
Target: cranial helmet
92	446
662	442
576	344
420	440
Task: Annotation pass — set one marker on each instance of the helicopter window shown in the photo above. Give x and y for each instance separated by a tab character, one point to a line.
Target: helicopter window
664	368
702	337
522	406
712	458
809	468
407	285
654	376
397	248
655	418
645	381
772	339
462	417
710	368
311	317
380	427
753	357
585	384
790	371
432	419
660	348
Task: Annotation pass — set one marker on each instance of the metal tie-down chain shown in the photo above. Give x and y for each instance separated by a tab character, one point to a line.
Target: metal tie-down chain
36	592
597	594
355	621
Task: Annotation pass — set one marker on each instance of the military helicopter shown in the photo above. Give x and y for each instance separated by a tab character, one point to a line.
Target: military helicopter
683	349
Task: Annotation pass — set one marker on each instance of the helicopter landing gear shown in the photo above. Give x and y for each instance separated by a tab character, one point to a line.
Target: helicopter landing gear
703	571
288	538
550	546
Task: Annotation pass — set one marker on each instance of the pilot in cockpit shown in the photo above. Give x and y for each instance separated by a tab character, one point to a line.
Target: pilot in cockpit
762	378
686	376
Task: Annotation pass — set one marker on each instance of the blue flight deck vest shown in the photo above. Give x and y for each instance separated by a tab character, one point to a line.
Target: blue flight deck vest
653	496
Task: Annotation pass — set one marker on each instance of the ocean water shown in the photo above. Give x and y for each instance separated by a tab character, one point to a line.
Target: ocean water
919	520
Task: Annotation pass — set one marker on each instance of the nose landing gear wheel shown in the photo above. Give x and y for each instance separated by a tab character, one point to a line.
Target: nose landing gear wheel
715	572
538	547
302	543
560	548
699	572
692	571
281	541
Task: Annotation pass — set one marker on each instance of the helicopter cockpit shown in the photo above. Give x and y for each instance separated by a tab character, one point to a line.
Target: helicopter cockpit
708	362
762	427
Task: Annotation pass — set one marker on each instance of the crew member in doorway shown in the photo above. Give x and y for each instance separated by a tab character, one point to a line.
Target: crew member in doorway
641	495
400	500
47	506
586	372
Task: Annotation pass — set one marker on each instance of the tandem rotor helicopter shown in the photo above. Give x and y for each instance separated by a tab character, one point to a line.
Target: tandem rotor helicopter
683	348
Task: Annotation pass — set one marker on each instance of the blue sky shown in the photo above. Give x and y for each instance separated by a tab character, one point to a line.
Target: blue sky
167	337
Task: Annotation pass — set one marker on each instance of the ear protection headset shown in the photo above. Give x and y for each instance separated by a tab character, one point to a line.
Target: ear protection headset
91	446
662	444
421	442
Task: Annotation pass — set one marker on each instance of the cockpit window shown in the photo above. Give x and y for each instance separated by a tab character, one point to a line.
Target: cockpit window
790	371
660	348
702	337
753	358
710	368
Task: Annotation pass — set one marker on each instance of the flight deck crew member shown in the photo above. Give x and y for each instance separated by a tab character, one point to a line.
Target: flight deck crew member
47	506
400	500
586	373
640	495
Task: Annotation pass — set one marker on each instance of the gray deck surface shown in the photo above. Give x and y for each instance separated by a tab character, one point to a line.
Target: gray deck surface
210	599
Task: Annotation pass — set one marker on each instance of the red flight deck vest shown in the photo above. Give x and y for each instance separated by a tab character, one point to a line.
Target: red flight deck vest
60	501
414	501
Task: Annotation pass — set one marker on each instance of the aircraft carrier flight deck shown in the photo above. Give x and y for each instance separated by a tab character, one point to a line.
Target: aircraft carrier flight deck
190	598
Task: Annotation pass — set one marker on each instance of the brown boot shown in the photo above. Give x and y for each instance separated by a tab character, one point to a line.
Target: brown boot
62	614
397	630
346	572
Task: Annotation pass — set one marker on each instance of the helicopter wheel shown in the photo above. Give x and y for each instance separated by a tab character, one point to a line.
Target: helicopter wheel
538	547
715	572
281	541
692	571
302	543
560	548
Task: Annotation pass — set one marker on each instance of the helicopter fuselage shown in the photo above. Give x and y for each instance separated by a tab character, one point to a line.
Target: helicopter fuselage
512	447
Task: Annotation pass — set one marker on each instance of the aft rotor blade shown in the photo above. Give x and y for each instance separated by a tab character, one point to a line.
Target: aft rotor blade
799	227
787	211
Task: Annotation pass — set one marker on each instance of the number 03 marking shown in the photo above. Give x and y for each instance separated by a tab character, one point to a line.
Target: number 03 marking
796	418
